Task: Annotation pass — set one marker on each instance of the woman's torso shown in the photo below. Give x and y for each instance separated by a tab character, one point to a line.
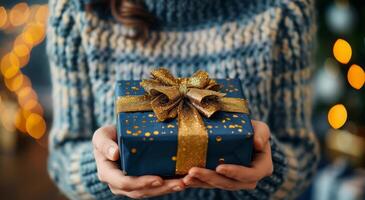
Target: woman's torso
235	41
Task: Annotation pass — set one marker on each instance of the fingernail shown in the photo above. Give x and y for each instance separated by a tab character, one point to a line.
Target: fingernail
177	188
111	151
156	183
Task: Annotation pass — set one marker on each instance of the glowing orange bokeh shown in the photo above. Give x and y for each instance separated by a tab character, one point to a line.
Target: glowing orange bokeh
35	126
356	76
9	65
34	33
20	120
14	83
21	50
41	14
19	14
29	117
26	94
21	40
342	51
3	17
337	116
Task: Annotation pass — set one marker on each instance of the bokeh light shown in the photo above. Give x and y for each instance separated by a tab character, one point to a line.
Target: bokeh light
3	17
21	50
26	94
9	65
21	40
337	116
356	76
35	125
342	51
29	118
20	119
34	33
41	14
14	83
19	14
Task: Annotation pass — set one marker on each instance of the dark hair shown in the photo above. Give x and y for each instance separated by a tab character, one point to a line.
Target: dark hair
131	13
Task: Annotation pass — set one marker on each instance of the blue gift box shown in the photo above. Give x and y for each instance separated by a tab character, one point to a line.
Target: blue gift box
149	147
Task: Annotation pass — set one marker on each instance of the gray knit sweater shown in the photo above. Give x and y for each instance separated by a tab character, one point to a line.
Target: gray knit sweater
265	43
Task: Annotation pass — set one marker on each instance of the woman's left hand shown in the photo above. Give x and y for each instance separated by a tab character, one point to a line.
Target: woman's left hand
235	177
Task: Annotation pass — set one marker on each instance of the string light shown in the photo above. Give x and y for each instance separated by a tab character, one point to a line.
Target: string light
356	76
20	119
3	17
342	51
14	83
337	116
35	125
34	33
9	65
19	14
41	14
29	118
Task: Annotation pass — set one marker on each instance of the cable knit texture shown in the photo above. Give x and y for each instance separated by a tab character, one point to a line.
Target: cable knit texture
264	43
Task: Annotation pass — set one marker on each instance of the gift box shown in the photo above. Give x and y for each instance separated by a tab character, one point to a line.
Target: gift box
166	126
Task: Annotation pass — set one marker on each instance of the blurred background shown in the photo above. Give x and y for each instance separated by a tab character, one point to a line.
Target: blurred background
339	98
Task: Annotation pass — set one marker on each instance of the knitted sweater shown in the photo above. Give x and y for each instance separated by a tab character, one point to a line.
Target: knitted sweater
264	43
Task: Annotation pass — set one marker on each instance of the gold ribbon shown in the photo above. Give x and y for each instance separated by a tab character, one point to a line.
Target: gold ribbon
186	98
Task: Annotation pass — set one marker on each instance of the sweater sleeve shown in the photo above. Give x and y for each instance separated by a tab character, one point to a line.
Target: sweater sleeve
295	150
71	163
292	111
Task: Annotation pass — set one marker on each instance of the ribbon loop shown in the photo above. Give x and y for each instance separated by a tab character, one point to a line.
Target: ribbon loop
164	76
184	98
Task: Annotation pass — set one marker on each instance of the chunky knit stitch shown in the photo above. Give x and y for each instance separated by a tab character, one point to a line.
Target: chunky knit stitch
265	43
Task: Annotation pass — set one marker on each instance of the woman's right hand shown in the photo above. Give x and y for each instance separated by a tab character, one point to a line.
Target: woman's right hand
106	152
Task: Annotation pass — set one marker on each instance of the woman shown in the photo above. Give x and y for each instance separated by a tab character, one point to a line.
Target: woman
264	43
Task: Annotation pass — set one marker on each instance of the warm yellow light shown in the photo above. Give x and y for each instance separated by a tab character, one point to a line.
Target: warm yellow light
23	61
14	83
356	76
41	14
9	65
19	121
342	51
34	33
19	14
26	94
21	50
28	39
337	116
23	39
35	125
30	104
34	107
3	17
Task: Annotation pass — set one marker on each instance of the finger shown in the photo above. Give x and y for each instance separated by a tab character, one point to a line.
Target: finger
261	136
190	181
104	140
109	172
169	186
261	167
117	191
214	179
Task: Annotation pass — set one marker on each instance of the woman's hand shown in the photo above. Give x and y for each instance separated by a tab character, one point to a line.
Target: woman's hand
235	177
106	153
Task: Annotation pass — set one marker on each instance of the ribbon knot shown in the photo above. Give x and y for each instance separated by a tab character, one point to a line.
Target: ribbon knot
185	98
183	89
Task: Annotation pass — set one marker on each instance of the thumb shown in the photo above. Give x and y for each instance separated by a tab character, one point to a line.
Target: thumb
261	136
104	141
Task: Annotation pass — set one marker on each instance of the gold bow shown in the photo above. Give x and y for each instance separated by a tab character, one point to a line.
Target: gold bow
185	98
